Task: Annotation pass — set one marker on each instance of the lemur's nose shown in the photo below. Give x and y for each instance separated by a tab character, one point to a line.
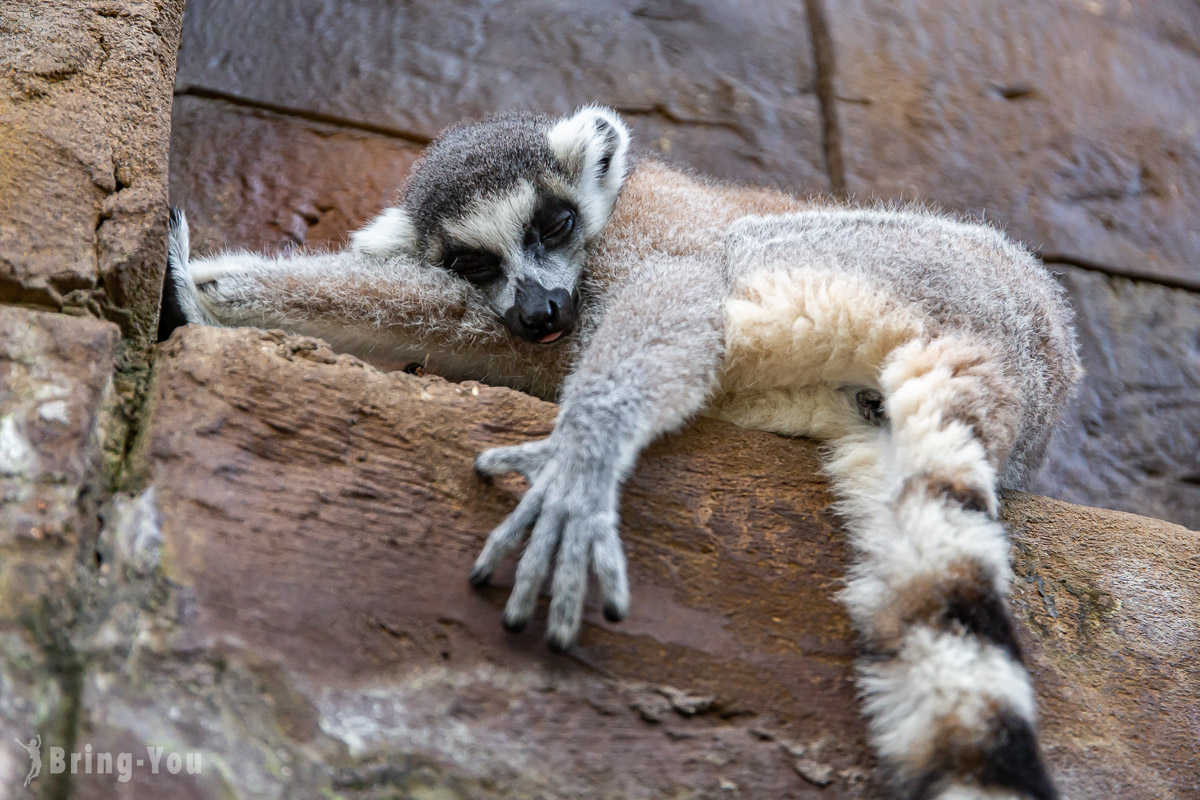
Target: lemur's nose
542	312
541	315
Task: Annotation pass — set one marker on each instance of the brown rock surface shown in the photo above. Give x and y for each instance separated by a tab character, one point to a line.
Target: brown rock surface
56	420
84	125
726	86
56	395
1071	124
85	93
1131	439
259	180
318	518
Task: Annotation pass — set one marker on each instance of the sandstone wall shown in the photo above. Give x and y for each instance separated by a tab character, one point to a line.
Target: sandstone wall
85	98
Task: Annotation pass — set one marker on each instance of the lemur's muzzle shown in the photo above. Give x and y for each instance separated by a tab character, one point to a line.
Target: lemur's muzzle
542	315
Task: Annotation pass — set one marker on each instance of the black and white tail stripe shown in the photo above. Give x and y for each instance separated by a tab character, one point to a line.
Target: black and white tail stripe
949	702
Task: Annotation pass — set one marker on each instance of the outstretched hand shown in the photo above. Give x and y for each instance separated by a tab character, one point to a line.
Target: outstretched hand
571	504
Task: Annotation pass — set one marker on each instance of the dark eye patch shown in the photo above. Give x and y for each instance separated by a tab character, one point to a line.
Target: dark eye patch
554	222
477	266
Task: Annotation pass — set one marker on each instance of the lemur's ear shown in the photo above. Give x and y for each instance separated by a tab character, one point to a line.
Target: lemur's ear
391	233
593	146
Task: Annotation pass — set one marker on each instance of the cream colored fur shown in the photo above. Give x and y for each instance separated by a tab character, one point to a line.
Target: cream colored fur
794	336
939	681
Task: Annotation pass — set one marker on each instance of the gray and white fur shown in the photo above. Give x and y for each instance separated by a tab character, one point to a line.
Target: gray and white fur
933	354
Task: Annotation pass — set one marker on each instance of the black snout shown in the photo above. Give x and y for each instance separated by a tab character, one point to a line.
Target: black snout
541	315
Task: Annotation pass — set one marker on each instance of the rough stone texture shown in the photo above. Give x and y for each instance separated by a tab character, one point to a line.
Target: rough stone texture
56	410
1112	601
393	659
1072	124
720	84
55	397
266	182
85	91
1131	440
313	631
84	125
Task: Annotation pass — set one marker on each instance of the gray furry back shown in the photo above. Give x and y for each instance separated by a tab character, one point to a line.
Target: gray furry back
964	276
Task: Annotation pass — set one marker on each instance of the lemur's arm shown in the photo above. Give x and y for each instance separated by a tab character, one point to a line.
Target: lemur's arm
650	365
386	310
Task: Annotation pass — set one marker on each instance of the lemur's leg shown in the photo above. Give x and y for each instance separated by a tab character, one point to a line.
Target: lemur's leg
647	369
950	705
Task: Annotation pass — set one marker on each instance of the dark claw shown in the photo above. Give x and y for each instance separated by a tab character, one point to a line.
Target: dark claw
612	613
513	627
483	476
556	645
480	577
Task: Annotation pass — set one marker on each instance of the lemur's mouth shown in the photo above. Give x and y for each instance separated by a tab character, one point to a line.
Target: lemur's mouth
543	336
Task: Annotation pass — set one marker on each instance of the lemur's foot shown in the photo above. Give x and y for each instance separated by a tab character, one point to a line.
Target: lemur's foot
571	505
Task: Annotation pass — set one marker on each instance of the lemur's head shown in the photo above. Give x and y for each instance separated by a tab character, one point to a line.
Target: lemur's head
510	205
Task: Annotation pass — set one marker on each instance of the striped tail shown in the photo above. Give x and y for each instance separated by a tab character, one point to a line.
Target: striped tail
949	702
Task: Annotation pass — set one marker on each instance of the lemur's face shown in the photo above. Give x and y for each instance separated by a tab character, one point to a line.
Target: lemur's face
511	206
525	250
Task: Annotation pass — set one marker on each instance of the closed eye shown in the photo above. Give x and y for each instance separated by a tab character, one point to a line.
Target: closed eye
557	231
477	266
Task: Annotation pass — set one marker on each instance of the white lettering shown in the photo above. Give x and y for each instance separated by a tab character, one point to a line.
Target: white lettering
124	767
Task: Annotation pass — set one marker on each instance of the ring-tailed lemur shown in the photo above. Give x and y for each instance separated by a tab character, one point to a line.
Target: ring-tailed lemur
934	354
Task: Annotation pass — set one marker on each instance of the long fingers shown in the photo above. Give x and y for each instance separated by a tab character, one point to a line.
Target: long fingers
570	582
608	561
531	571
504	539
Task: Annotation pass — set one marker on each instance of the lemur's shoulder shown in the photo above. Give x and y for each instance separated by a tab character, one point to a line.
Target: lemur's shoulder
669	209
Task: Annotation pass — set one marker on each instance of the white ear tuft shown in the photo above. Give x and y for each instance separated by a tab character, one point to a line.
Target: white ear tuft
593	144
389	234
